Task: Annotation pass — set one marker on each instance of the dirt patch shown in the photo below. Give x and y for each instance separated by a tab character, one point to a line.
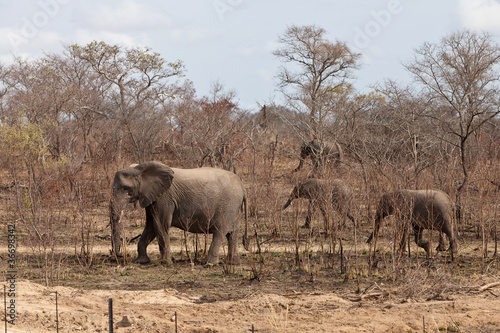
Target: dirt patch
154	310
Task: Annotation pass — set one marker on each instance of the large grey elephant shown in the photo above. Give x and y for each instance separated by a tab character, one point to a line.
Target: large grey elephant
320	154
321	193
422	209
203	200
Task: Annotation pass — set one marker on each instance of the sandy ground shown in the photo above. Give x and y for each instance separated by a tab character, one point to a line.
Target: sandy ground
153	311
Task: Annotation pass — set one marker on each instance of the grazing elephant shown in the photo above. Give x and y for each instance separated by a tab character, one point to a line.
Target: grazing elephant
424	209
321	192
320	154
203	200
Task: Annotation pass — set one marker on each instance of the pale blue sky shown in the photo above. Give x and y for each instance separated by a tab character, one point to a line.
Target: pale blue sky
232	40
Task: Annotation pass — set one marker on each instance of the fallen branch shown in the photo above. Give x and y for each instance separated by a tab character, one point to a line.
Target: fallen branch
488	286
359	298
480	289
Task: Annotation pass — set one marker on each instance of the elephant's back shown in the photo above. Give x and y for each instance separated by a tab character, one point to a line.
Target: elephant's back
437	201
209	174
435	195
217	181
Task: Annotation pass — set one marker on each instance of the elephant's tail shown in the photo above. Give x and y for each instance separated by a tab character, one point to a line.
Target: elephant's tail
369	240
244	207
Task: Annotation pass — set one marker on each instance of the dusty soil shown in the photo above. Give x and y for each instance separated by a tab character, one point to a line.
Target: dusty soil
154	311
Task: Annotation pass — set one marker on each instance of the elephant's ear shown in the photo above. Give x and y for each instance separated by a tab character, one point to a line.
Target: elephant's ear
155	178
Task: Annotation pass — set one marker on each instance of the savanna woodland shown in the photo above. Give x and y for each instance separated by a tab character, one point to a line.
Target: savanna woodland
70	120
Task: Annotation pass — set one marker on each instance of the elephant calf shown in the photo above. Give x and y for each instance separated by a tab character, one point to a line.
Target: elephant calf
423	209
321	192
203	200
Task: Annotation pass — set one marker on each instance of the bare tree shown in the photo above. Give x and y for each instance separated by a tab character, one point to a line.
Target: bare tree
40	95
139	80
317	67
211	128
416	147
461	77
85	106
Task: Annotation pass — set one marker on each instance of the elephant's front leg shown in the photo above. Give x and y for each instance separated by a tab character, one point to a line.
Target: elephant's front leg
419	241
147	237
442	243
404	240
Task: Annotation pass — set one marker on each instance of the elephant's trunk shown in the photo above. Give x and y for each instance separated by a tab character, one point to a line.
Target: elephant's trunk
297	192
287	204
299	166
117	236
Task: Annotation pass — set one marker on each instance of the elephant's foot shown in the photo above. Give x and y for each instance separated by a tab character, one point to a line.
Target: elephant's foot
142	260
212	261
166	261
451	249
246	243
441	247
233	260
116	254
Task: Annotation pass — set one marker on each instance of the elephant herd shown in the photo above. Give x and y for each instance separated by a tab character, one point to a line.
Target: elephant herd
209	200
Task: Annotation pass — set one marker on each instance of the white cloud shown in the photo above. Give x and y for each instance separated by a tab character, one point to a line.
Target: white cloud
245	51
123	15
265	74
272	45
480	14
196	34
190	35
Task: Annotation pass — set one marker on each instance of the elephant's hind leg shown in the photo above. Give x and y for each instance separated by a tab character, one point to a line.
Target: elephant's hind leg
164	246
310	211
213	250
447	230
233	257
404	240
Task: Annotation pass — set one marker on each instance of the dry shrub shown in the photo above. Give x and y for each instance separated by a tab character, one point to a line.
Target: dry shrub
422	282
